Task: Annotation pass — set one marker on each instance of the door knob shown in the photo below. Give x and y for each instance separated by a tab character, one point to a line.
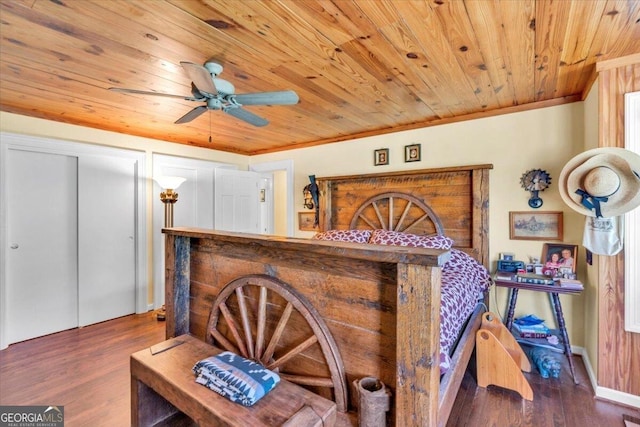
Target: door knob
14	246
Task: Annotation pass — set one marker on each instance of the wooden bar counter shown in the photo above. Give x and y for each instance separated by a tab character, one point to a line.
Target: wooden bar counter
380	303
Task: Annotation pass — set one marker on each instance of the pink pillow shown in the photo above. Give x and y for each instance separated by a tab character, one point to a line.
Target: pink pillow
396	238
353	236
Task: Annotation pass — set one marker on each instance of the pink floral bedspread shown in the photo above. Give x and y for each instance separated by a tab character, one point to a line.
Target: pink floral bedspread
463	279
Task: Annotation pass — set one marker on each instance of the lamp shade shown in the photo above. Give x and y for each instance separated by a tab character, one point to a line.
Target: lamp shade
169	182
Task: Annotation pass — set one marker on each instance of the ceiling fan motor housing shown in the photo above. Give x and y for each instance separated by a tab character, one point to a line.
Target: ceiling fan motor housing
224	87
213	68
214	104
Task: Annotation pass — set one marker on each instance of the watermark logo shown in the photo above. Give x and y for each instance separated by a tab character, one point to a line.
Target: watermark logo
31	416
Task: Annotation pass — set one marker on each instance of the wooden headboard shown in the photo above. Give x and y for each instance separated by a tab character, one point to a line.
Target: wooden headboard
455	201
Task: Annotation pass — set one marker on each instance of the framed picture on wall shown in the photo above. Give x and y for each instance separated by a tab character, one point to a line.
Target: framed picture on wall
530	225
306	220
381	157
412	153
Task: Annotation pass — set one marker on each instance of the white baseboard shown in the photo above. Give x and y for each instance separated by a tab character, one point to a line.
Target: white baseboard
603	392
150	307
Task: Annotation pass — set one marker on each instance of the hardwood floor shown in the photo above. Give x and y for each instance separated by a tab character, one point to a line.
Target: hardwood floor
556	402
87	371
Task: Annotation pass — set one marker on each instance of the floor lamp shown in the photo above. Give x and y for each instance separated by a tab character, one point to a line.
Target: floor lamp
169	197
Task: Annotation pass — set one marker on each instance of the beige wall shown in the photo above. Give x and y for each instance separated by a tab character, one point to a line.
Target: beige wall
513	143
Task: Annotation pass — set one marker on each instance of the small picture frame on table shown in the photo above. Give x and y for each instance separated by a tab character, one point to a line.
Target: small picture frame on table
559	260
507	256
412	153
381	157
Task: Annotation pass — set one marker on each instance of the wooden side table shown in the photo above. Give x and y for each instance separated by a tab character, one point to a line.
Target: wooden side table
554	291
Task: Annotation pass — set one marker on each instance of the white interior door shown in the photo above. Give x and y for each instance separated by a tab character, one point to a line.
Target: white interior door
42	258
237	200
106	241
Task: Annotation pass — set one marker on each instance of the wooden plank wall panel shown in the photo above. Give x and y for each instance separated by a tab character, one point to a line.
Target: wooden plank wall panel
458	196
618	350
433	189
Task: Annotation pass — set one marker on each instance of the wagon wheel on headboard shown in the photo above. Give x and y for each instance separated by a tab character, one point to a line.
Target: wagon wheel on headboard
266	320
395	211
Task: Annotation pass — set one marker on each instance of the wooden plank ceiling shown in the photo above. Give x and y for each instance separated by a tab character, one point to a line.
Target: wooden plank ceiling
360	67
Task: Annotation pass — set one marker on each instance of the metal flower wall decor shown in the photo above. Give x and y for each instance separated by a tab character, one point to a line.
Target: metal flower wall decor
534	181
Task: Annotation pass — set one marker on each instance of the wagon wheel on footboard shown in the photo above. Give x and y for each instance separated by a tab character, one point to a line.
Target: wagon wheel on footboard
397	212
266	320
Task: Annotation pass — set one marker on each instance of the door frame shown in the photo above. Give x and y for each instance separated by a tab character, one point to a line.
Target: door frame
287	166
73	148
631	219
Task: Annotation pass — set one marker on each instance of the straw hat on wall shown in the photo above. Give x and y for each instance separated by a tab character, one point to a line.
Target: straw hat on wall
603	182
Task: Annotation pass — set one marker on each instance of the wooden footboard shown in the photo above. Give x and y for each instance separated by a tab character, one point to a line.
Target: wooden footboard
380	303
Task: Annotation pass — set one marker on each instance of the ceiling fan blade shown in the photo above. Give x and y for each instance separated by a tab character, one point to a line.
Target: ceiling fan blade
200	77
284	97
246	116
144	92
191	115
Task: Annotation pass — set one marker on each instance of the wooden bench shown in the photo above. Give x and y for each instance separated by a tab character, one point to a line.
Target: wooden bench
163	385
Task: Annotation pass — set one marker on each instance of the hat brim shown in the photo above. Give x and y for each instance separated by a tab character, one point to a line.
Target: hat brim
623	162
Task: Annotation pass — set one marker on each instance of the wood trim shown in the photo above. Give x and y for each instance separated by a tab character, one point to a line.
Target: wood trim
480	213
622	61
618	350
287	245
417	349
406	173
177	265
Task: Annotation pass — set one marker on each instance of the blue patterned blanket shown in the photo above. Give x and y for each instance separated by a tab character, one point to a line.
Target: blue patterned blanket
236	378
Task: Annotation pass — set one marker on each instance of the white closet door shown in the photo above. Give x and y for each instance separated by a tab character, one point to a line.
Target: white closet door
107	249
237	201
42	259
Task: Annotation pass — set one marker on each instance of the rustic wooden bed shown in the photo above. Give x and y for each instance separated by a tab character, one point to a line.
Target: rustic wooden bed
326	314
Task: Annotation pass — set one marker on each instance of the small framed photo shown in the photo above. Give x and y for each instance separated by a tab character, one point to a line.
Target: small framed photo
381	157
412	153
559	260
507	256
306	220
531	225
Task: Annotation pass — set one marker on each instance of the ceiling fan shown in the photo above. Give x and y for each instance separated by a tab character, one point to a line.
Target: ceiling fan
219	94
